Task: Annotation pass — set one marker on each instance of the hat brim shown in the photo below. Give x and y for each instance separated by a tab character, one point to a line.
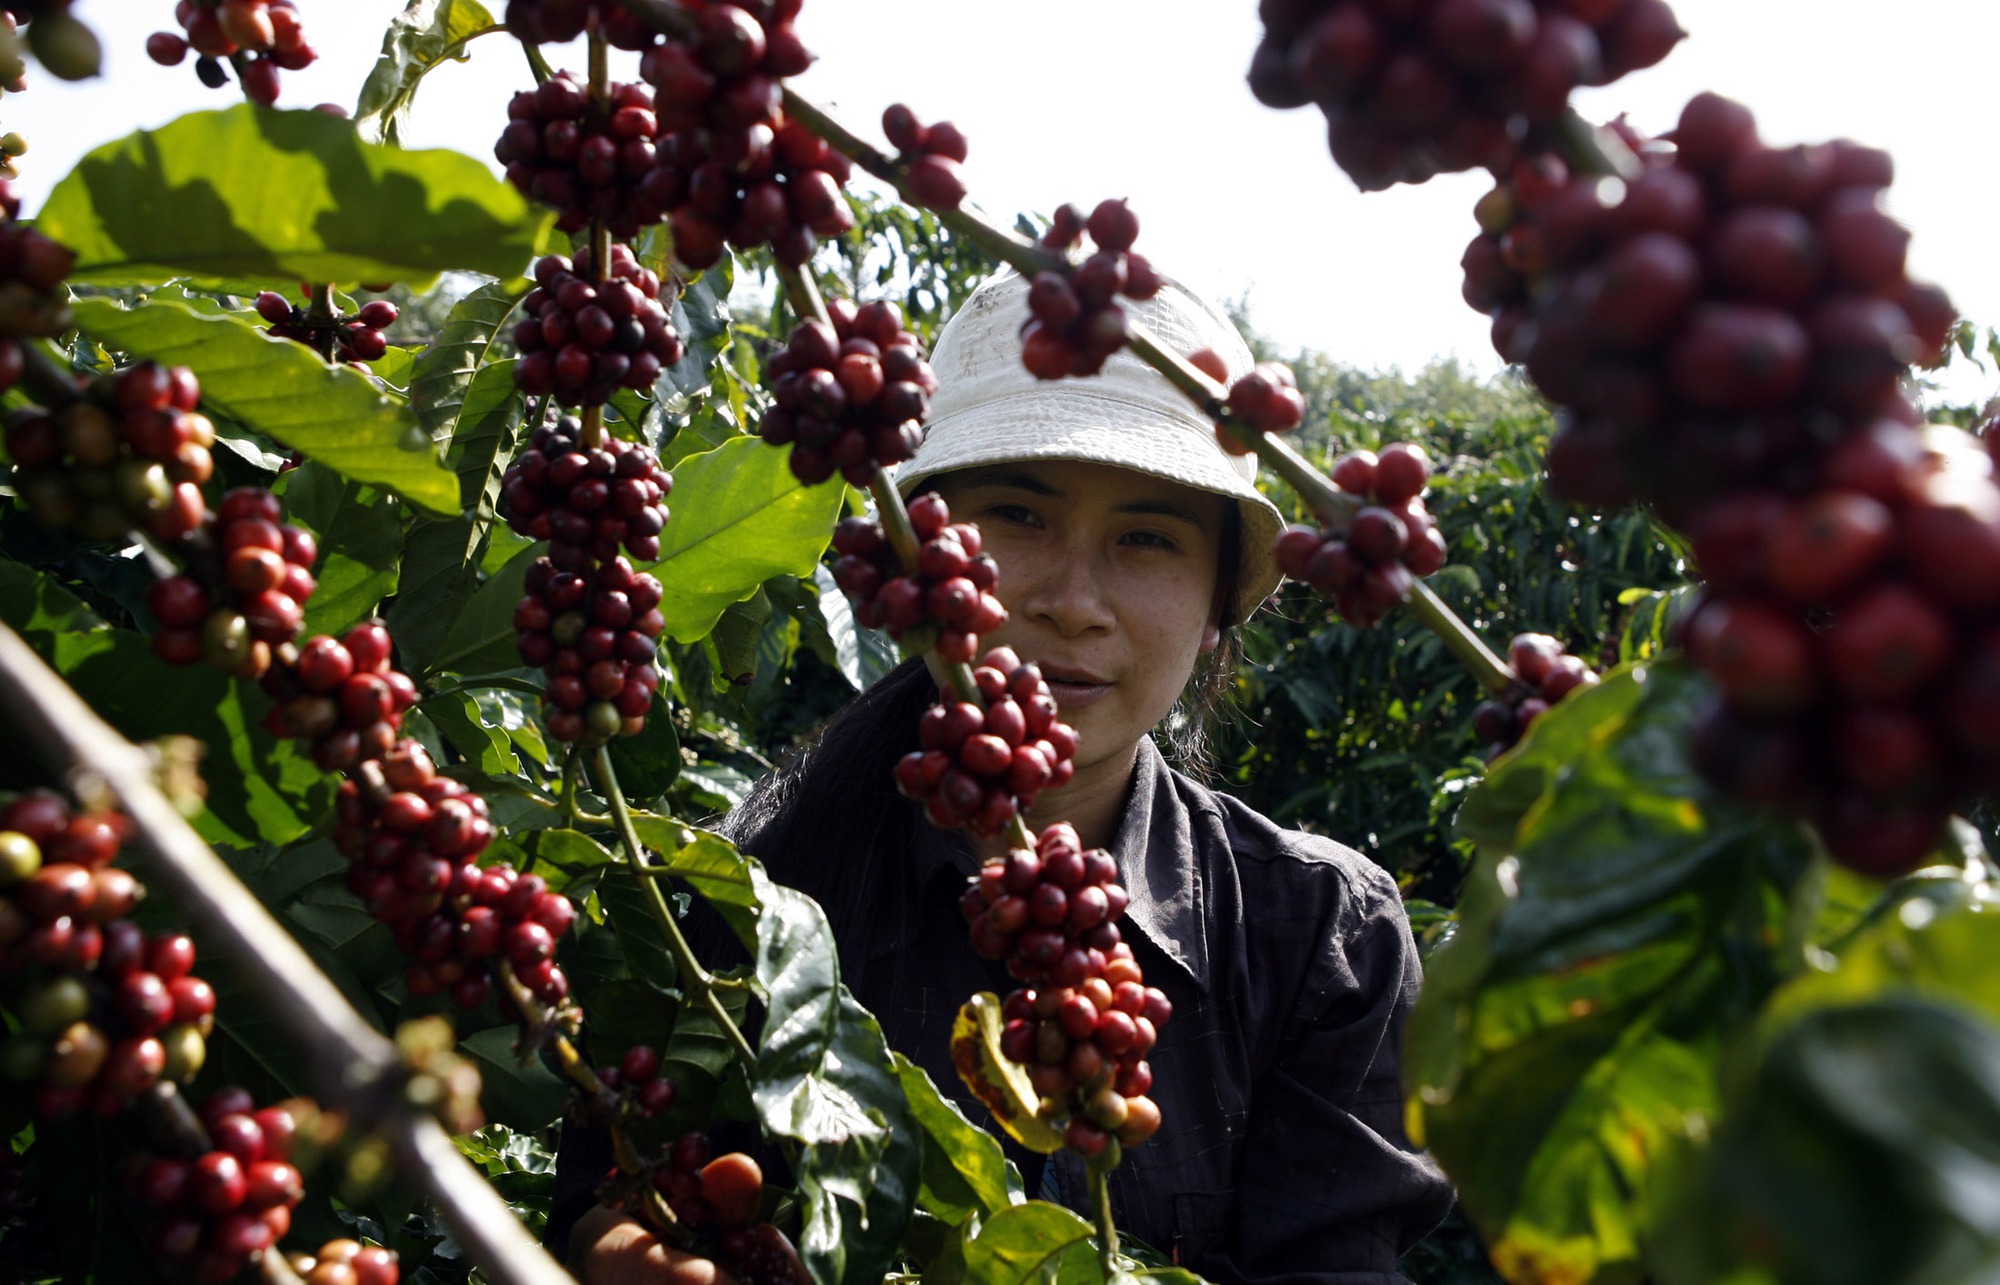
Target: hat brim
1085	425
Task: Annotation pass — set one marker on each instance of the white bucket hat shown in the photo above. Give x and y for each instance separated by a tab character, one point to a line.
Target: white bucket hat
989	410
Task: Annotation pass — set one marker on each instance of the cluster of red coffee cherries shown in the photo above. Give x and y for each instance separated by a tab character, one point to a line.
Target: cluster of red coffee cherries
1707	325
1267	398
357	339
732	168
980	768
642	1090
1726	336
348	1262
341	694
1415	88
215	1210
947	604
1545	673
584	338
588	620
1074	319
414	838
586	158
32	299
596	635
931	155
717	1201
131	452
102	1012
261	37
1390	543
244	593
1086	1019
852	396
559	21
588	503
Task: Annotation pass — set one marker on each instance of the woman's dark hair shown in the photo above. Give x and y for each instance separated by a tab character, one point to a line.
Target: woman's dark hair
1190	724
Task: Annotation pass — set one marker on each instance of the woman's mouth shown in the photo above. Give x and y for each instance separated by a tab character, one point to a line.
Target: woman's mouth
1075	689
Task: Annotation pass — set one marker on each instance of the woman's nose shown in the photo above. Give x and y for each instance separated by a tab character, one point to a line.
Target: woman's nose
1068	591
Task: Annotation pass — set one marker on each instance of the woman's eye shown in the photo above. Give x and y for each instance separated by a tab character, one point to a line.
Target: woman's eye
1150	540
1015	513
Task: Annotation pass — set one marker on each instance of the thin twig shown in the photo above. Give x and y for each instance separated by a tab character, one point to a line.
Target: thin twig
693	977
353	1060
1493	673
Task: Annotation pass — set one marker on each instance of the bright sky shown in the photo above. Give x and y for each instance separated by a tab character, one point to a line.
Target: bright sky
1075	100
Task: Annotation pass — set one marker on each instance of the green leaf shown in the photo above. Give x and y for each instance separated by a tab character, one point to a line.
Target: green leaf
482	637
466	400
259	788
1033	1242
629	908
1864	1148
739	518
420	39
284	391
648	764
1620	922
1935	935
360	544
965	1171
863	655
247	193
823	1080
457	719
523	1098
709	864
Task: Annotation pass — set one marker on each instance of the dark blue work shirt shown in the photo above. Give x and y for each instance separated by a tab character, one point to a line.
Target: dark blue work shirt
1281	1156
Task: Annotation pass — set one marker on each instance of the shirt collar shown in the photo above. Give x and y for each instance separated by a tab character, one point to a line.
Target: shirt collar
1155	849
1154	846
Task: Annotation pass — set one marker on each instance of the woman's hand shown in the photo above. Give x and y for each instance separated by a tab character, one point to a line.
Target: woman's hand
609	1248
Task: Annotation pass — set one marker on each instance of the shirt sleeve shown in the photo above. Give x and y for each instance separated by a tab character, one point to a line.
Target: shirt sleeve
1329	1190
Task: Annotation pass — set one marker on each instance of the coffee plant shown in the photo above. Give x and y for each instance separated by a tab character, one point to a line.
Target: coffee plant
429	679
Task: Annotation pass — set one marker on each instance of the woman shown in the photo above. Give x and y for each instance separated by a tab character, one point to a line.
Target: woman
1129	546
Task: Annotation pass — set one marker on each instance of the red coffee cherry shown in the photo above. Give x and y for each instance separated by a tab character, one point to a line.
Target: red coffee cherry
260	37
851	398
355	339
1388	545
731	168
1074	320
1439	86
950	593
582	338
980	768
1084	1020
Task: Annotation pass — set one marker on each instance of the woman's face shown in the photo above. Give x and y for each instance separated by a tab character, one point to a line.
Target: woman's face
1109	578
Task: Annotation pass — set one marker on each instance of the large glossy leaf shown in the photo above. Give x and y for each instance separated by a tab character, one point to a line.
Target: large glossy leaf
282	390
1864	1148
739	518
420	39
1620	921
823	1080
965	1171
1036	1242
249	194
